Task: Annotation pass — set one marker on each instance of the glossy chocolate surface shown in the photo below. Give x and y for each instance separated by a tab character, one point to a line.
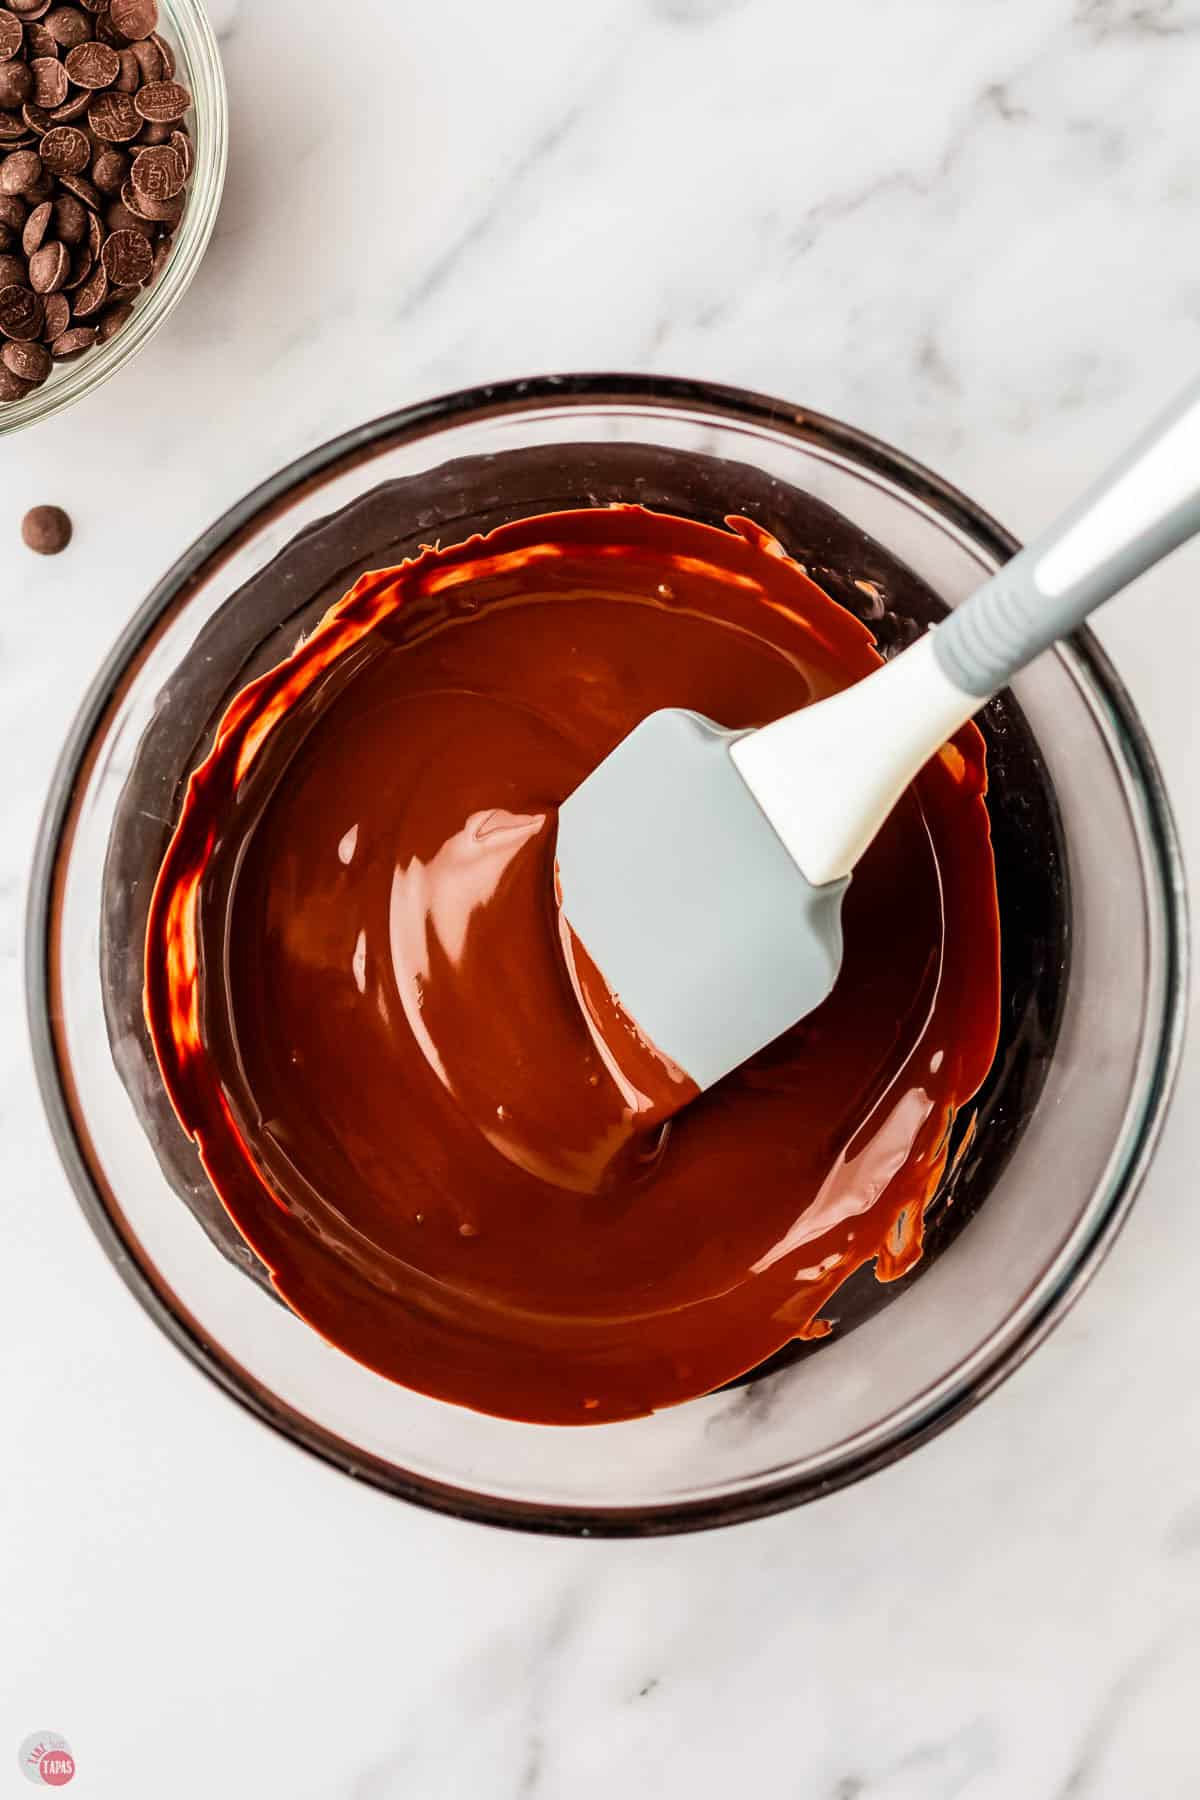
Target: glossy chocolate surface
362	1013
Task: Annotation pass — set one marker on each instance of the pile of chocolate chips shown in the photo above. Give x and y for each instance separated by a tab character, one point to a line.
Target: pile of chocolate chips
94	165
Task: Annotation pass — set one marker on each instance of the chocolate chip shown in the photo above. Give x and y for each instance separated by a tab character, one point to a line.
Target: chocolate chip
58	317
91	296
163	102
127	258
110	170
82	263
155	134
11	386
157	174
181	143
36	227
94	6
112	320
46	529
50	84
68	26
30	362
81	187
129	80
162	255
135	18
65	150
159	212
49	268
72	343
167	53
38	42
13	211
73	107
16	83
119	218
150	62
36	118
93	65
11	127
12	36
14	271
29	9
20	172
21	313
115	117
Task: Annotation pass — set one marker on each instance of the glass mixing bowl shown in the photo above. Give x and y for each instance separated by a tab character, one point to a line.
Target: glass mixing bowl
184	24
1057	1190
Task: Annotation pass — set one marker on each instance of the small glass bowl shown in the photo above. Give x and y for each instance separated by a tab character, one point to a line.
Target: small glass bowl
871	1394
184	24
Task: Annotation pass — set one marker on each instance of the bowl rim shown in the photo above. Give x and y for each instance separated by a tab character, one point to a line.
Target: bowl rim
961	1388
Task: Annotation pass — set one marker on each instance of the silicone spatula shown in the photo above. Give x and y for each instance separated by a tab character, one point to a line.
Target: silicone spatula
704	870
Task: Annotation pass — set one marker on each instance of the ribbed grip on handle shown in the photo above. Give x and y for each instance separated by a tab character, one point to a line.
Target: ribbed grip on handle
1005	625
1142	509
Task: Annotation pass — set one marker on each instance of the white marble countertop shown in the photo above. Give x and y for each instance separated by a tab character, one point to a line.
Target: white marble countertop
967	225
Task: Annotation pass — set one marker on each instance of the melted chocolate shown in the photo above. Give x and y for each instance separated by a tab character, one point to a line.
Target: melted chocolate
363	1016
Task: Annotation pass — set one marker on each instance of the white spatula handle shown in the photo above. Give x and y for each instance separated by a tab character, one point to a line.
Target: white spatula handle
828	776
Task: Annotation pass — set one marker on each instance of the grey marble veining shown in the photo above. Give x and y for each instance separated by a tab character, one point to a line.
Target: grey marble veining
967	225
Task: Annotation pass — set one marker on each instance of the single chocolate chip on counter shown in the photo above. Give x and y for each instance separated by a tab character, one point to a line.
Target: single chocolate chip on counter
46	529
30	362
